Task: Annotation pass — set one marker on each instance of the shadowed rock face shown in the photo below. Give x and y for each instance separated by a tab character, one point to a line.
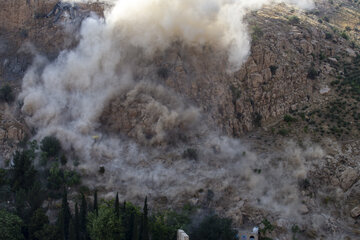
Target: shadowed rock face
272	81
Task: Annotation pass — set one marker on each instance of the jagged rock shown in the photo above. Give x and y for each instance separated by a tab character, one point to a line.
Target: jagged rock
2	134
15	134
355	212
304	209
348	178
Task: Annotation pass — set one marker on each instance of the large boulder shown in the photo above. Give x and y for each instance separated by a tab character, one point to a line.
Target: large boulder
348	178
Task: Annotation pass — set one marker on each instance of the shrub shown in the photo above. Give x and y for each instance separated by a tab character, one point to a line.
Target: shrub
10	226
328	36
163	72
289	119
51	145
257	33
344	35
273	69
283	132
190	153
6	94
312	73
294	20
257	119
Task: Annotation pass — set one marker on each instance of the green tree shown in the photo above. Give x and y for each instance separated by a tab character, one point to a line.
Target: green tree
65	217
117	205
22	169
83	216
105	225
37	224
77	223
10	226
96	209
134	227
51	145
144	230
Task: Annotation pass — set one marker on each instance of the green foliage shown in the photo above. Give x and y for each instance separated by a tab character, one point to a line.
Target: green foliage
65	217
344	35
257	33
95	207
22	170
190	153
51	145
58	177
283	132
268	227
10	226
144	228
105	225
294	20
37	224
289	119
236	93
6	94
214	228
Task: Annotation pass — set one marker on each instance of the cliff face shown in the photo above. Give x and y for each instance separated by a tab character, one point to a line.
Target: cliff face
273	80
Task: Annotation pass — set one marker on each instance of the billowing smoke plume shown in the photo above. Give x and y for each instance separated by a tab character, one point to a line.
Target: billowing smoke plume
111	69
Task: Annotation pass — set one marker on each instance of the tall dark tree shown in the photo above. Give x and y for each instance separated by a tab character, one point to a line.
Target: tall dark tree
22	169
144	230
96	209
117	206
83	214
134	227
65	216
77	223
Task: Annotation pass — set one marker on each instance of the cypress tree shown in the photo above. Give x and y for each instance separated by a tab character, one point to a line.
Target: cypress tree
134	227
117	206
77	223
95	203
145	230
83	214
65	216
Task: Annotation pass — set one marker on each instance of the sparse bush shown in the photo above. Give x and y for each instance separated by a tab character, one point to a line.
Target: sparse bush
51	145
257	119
283	132
102	170
347	28
326	19
294	20
163	72
190	153
344	35
289	119
328	36
273	69
312	73
6	94
257	33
